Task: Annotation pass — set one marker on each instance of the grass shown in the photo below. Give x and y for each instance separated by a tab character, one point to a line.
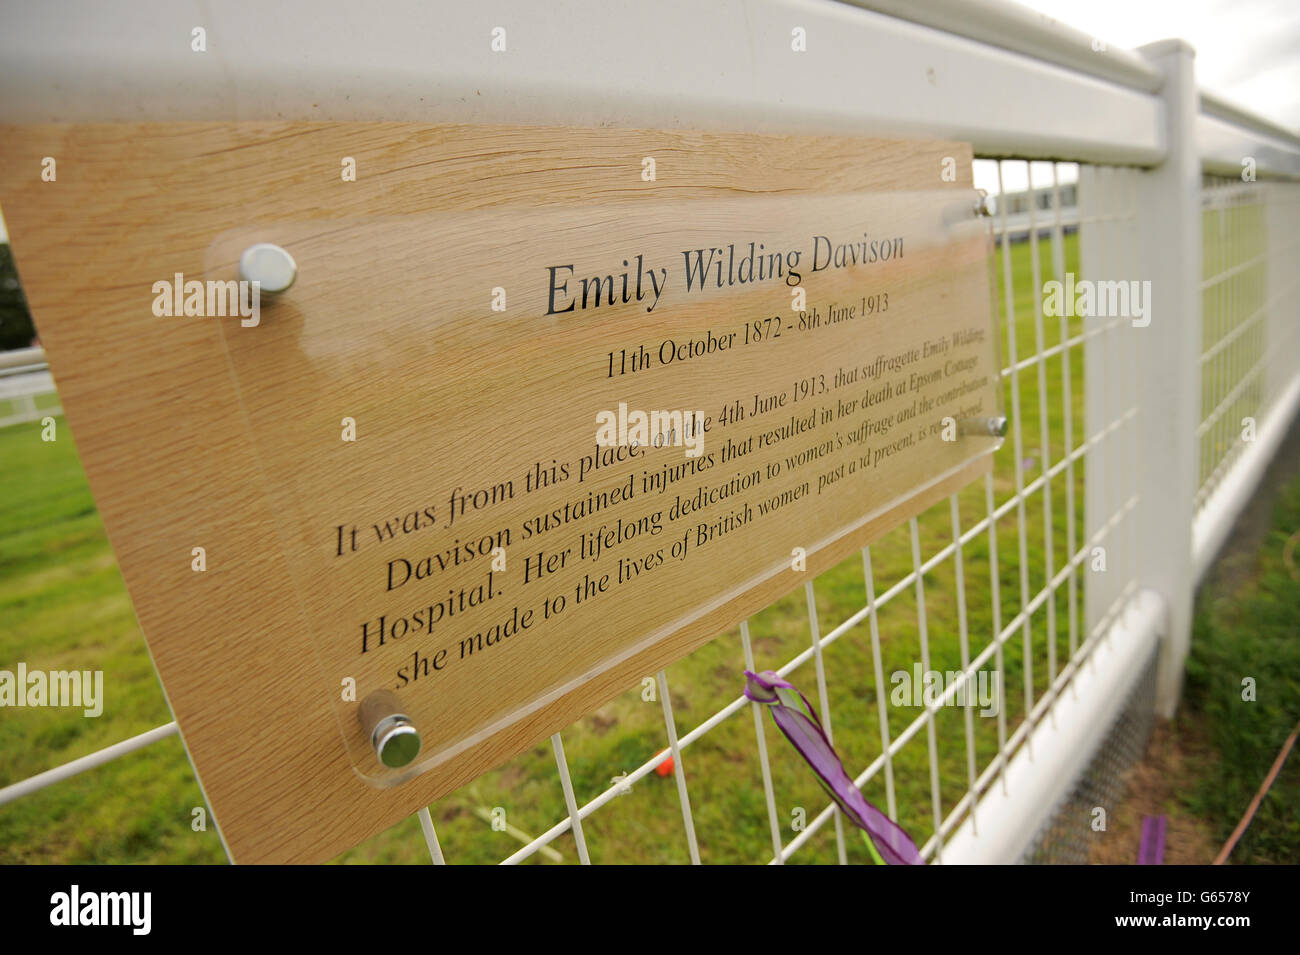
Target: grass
63	605
1246	628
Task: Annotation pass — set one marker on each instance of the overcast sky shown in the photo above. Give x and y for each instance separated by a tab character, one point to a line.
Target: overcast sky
1247	51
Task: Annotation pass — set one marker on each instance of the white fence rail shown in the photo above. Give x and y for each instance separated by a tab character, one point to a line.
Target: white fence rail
1128	452
25	377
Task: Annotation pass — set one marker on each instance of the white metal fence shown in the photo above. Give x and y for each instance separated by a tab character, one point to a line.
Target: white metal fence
1133	447
1250	341
24	378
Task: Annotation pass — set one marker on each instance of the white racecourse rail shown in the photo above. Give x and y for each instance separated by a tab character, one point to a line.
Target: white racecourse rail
1178	418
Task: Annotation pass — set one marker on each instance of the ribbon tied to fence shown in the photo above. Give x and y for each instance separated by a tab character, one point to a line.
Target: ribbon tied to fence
795	717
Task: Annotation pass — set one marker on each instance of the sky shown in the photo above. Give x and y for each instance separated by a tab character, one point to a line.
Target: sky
1247	52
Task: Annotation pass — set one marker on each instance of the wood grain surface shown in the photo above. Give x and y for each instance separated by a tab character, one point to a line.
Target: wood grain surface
167	411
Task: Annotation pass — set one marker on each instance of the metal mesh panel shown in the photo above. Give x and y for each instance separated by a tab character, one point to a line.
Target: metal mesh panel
1067	838
998	580
990	583
995	583
1250	247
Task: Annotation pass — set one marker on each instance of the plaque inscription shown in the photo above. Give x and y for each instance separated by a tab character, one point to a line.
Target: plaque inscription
225	433
513	448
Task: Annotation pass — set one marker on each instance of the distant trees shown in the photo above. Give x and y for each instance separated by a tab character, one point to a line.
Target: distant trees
16	327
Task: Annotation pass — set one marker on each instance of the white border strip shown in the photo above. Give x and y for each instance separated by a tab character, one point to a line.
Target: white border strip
672	64
1021	29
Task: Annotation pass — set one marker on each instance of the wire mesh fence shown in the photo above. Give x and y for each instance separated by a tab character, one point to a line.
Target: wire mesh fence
934	655
951	637
1068	836
1248	314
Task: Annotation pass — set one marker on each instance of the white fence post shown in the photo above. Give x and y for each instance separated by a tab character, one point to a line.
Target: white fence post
1168	366
1013	84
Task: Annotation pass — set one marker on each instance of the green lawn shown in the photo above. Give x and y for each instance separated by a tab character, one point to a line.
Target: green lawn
63	605
1247	627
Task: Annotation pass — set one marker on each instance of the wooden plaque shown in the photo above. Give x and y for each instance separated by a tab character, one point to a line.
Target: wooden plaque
530	424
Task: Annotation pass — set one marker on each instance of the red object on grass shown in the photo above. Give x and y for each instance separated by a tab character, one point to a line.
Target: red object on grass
666	767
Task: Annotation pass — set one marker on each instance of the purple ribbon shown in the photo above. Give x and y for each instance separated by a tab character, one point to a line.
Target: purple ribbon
796	718
1151	850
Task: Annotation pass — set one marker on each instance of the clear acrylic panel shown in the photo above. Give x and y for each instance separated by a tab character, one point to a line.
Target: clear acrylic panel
476	355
